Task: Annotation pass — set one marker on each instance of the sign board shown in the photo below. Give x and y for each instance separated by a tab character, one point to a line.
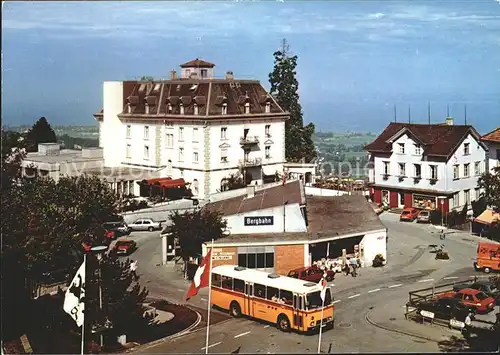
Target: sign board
427	314
26	344
218	254
380	238
456	324
259	221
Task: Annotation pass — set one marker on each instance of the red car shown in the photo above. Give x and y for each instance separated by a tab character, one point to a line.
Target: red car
312	273
473	298
409	214
124	247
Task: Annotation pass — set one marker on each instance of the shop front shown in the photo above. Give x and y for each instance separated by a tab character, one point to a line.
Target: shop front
396	198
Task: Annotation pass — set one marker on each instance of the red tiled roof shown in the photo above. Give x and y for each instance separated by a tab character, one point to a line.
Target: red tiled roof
198	63
266	198
437	140
493	136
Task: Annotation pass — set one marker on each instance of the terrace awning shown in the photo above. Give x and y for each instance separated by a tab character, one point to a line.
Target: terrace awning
488	217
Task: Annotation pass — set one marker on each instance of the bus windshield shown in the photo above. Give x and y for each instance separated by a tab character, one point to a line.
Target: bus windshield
313	300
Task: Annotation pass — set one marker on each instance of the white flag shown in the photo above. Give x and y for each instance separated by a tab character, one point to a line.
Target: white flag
74	298
322	284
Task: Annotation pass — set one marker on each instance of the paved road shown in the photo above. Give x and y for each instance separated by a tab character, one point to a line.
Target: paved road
411	266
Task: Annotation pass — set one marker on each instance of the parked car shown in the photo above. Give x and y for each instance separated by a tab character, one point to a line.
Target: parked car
424	216
446	308
124	247
486	286
408	214
119	228
481	302
145	224
311	273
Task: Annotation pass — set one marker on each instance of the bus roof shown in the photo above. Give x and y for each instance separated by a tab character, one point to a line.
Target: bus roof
262	277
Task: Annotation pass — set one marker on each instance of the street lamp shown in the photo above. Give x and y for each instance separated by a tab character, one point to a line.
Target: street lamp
442	198
99	251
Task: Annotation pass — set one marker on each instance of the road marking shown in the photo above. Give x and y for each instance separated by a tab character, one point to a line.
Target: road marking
203	299
392	286
375	290
267	326
426	280
211	346
356	295
180	289
336	301
240	335
450	277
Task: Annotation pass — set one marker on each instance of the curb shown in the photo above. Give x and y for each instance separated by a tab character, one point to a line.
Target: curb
173	336
395	330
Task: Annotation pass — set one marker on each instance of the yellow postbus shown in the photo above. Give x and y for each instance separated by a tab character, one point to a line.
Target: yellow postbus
288	302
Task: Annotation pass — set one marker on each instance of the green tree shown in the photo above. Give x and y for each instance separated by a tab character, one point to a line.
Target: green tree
490	182
233	182
12	157
147	78
284	87
41	132
192	229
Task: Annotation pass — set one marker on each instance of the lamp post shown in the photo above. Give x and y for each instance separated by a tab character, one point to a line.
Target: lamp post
441	200
99	251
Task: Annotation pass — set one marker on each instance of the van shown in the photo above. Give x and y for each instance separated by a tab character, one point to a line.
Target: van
488	257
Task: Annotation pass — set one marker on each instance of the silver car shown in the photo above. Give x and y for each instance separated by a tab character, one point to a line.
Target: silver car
144	224
424	217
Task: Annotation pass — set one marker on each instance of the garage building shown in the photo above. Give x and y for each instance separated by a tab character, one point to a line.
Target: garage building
279	228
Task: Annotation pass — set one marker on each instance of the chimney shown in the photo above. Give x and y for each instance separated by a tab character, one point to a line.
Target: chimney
449	121
173	75
250	191
229	75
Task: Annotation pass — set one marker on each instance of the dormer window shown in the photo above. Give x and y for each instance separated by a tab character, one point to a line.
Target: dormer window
224	108
181	107
268	107
196	110
247	107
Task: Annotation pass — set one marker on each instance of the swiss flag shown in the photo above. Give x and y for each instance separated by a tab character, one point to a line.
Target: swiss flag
322	284
201	277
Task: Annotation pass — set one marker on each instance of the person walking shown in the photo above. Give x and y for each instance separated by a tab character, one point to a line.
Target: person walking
133	270
354	266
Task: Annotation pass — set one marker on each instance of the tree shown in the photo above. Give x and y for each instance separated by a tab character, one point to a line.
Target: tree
490	183
233	182
192	229
13	153
284	88
147	78
41	132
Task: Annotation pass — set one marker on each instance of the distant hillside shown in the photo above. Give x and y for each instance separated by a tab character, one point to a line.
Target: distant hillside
71	142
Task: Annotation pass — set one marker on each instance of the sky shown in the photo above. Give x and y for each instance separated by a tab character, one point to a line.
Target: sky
356	59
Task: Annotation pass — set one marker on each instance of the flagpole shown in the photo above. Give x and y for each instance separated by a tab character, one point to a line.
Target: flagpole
83	323
321	324
209	295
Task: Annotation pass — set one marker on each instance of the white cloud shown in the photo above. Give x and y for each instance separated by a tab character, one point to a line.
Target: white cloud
134	20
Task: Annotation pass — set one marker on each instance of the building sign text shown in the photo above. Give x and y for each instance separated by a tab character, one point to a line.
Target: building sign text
259	221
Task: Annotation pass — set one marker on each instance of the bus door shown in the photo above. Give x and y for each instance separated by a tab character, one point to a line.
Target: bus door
298	304
247	308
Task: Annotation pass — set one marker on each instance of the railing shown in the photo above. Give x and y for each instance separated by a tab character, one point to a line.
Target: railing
249	140
250	162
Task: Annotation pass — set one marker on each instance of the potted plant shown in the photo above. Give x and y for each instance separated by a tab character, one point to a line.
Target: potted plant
378	260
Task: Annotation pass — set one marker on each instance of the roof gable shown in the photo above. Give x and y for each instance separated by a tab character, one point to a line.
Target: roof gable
438	140
493	136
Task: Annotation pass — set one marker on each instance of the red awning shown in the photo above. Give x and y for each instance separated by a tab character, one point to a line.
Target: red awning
158	180
173	183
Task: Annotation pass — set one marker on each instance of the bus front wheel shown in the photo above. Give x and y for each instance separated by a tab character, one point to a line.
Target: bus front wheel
283	323
487	270
235	309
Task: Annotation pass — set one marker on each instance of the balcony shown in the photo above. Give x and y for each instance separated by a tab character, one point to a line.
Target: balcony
246	163
249	140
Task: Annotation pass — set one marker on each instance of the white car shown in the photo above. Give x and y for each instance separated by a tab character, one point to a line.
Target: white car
144	224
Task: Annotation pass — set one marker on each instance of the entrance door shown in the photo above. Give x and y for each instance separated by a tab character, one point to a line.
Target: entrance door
247	308
401	199
298	320
385	197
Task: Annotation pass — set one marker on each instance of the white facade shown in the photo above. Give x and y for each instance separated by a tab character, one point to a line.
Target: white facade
290	215
458	175
203	153
372	244
493	154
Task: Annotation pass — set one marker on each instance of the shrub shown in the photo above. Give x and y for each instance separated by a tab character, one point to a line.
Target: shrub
442	255
378	260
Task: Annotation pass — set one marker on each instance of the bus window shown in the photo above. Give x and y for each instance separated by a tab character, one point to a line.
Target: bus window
286	297
259	290
238	285
313	300
272	294
227	283
216	280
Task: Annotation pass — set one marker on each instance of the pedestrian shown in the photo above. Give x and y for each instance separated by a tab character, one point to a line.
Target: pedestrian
354	266
133	268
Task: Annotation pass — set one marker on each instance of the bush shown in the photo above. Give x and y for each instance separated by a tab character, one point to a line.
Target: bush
442	255
378	260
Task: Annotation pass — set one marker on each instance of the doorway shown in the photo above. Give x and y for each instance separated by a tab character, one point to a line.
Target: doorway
385	197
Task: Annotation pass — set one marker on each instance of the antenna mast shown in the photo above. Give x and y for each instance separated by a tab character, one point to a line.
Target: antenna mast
395	114
465	113
409	113
429	111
